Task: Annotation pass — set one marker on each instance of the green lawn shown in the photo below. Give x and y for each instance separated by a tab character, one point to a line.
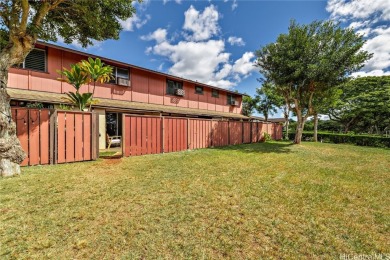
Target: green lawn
270	200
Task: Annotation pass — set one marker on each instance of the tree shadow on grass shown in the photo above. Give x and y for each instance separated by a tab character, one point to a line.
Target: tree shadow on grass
268	147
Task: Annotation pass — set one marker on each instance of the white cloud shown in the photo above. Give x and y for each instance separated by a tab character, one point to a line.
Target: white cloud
159	36
201	26
361	9
234	5
379	44
198	55
205	62
134	22
176	1
375	73
245	64
370	19
236	41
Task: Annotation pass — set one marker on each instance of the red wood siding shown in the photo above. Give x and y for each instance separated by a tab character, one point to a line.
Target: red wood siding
146	86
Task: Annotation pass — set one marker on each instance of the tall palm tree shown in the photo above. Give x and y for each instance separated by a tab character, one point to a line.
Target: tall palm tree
97	72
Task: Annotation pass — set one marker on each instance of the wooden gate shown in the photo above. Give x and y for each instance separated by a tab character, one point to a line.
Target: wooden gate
50	136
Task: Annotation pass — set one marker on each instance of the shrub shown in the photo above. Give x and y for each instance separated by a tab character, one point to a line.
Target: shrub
362	140
267	137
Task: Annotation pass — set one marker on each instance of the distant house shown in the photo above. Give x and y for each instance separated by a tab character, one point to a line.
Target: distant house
134	90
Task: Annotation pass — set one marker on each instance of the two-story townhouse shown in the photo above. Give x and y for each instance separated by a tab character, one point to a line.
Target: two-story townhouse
133	90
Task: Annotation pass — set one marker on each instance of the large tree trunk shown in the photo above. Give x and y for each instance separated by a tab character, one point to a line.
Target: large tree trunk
315	135
11	152
300	127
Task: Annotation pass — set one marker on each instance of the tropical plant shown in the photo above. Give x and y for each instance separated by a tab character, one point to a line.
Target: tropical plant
64	107
22	22
97	72
38	105
76	76
80	100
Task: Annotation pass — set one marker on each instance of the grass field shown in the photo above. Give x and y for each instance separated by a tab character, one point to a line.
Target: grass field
256	201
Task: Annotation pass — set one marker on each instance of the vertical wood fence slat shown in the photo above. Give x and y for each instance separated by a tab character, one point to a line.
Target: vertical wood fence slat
70	134
95	136
22	121
33	137
87	136
44	136
78	128
53	137
61	137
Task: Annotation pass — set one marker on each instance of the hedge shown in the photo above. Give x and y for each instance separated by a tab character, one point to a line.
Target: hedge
362	140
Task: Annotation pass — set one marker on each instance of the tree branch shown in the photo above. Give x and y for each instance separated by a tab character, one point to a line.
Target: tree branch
25	12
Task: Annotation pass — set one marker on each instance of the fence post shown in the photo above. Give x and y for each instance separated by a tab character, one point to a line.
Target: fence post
163	134
211	133
123	139
242	132
95	136
188	134
228	132
53	147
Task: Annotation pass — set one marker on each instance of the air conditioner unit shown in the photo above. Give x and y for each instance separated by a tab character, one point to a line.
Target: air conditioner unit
123	82
180	92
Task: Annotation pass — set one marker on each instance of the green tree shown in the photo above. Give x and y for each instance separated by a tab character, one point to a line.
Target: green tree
308	61
22	22
248	105
364	105
268	101
321	105
97	72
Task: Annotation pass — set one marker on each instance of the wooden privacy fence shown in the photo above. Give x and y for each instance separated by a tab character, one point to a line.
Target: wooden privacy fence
152	134
54	136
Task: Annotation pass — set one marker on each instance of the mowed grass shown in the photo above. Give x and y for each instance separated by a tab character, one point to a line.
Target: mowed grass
271	200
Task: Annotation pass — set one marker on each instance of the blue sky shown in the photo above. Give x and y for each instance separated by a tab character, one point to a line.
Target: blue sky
213	41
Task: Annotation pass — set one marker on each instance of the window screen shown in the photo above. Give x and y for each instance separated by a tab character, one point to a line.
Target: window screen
122	73
119	73
214	93
230	99
198	90
172	85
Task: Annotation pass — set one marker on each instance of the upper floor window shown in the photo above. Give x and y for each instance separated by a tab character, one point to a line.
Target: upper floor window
120	76
215	93
199	90
172	86
35	60
231	99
